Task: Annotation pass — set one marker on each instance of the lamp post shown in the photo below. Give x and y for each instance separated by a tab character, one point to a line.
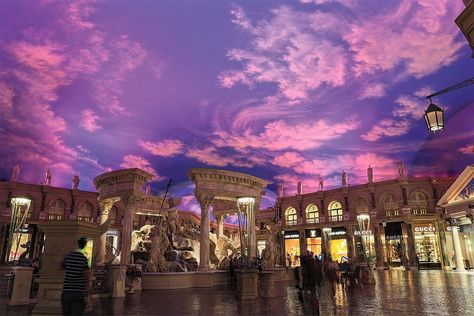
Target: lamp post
364	226
17	220
434	115
245	205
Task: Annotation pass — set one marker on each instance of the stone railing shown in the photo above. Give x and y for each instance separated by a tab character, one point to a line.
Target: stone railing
392	212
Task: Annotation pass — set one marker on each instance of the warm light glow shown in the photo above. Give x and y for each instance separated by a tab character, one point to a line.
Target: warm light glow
327	230
434	118
363	217
245	200
21	201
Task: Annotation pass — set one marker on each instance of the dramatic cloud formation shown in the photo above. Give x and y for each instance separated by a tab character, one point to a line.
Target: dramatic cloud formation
90	120
132	161
165	148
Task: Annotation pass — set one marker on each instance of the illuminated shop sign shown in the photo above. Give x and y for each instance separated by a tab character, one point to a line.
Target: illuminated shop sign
313	233
292	235
394	237
338	233
424	229
364	232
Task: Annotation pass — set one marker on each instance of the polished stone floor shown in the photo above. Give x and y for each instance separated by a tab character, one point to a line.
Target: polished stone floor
395	293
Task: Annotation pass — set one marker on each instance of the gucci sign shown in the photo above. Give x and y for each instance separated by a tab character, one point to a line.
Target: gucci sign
424	229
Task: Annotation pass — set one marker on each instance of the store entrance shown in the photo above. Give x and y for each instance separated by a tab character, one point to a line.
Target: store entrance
393	244
292	248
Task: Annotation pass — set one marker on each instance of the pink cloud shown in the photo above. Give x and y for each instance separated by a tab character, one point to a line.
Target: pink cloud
374	91
420	36
287	159
211	156
468	150
165	148
409	106
288	50
133	161
388	127
89	120
279	135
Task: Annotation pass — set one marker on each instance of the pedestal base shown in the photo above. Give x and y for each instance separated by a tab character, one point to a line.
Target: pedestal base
49	297
247	284
117	281
21	286
267	287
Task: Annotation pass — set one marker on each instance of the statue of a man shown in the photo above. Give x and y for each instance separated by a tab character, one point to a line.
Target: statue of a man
299	188
75	181
148	189
370	174
280	190
321	183
47	177
15	172
344	178
400	167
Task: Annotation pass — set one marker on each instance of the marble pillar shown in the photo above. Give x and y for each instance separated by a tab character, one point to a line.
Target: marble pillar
457	249
253	232
205	203
105	206
220	225
127	227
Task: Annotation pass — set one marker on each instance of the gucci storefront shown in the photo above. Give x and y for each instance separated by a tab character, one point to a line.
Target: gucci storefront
427	246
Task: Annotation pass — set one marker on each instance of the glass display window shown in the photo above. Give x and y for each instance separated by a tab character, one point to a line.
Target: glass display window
426	243
338	249
292	247
394	251
314	245
19	239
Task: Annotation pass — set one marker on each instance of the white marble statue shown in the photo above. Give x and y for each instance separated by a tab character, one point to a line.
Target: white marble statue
299	188
47	177
75	181
321	183
15	172
401	169
344	178
280	191
370	174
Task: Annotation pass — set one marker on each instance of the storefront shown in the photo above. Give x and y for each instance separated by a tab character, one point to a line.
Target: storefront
292	248
427	245
313	241
466	242
338	243
364	244
393	244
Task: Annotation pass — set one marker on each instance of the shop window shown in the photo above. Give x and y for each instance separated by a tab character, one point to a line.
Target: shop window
418	203
290	216
390	206
57	210
426	244
335	211
312	214
84	212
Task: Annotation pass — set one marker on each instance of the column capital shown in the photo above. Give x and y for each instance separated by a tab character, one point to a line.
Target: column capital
106	204
132	201
204	200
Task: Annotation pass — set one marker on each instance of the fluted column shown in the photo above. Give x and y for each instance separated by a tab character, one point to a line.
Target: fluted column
457	249
205	202
105	206
127	226
220	225
252	232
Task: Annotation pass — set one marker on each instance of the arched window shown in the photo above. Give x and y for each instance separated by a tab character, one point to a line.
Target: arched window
312	214
57	210
390	205
361	206
418	203
290	216
335	211
84	212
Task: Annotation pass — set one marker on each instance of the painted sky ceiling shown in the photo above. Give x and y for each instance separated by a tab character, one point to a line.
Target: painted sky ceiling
282	90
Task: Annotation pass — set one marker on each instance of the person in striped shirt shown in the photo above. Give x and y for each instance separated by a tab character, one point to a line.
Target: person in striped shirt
76	277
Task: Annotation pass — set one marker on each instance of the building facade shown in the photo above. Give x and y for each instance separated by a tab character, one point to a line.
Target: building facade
393	223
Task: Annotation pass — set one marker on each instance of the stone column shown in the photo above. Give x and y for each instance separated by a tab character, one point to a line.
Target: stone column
105	206
378	245
205	202
457	248
351	253
127	226
253	233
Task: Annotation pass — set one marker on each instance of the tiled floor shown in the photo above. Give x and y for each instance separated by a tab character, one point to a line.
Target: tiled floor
395	293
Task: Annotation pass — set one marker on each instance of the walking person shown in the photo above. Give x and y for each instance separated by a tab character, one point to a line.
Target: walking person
76	279
332	276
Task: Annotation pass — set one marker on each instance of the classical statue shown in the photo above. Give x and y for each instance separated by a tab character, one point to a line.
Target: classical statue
75	181
299	188
280	191
321	183
401	167
344	178
269	253
15	172
370	174
148	189
47	177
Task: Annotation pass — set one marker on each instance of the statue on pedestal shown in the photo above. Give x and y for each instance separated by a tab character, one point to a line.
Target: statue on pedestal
75	181
47	177
299	188
148	189
401	167
370	174
15	172
344	178
321	183
280	191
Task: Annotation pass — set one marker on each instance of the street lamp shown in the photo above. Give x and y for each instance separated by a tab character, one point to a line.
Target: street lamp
245	205
17	221
434	115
